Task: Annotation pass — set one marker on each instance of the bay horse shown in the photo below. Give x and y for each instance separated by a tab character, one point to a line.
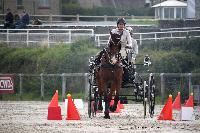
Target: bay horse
110	73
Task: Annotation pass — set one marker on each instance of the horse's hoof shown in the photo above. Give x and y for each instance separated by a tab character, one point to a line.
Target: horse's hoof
100	108
113	108
107	117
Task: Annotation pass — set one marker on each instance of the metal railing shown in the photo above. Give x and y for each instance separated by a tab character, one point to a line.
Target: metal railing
102	39
49	37
66	18
42	83
166	83
30	37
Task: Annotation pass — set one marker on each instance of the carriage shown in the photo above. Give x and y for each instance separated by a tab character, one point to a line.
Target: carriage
140	89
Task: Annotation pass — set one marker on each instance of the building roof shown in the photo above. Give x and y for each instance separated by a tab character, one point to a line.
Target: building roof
171	3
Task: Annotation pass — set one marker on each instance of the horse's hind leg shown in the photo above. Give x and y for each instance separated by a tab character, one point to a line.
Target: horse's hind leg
100	107
107	102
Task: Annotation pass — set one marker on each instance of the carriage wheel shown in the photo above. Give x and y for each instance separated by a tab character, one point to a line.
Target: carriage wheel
144	98
151	95
90	101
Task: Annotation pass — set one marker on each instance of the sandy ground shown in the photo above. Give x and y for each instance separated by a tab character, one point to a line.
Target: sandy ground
31	116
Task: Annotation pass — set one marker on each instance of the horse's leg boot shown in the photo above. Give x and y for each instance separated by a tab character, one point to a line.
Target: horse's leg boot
100	107
107	116
113	108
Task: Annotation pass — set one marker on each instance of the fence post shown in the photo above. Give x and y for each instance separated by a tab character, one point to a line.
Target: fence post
50	18
86	85
48	38
92	32
190	82
162	79
140	39
105	17
155	37
42	86
7	37
20	86
27	38
98	41
63	86
77	18
70	36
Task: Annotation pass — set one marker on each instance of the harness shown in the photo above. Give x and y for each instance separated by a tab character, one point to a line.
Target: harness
117	56
110	64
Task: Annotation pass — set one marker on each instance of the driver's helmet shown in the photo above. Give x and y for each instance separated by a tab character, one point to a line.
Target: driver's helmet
121	20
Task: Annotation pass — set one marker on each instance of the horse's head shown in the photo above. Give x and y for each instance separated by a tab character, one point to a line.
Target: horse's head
114	42
112	53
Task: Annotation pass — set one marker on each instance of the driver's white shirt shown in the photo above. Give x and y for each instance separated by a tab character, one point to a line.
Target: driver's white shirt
126	40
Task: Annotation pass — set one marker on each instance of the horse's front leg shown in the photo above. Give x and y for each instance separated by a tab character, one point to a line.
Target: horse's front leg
116	99
107	104
116	86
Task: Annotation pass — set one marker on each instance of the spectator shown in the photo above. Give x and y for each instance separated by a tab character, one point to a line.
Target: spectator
36	22
24	20
16	19
8	19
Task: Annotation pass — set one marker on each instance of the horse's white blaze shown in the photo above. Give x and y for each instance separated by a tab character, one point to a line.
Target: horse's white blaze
113	60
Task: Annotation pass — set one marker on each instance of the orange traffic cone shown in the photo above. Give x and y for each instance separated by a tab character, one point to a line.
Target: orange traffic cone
117	110
54	100
177	102
72	112
190	101
121	106
166	113
54	111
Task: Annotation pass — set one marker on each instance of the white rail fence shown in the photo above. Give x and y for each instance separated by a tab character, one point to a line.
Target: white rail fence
102	39
49	37
66	18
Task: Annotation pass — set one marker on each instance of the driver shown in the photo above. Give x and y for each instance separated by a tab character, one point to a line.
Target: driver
126	40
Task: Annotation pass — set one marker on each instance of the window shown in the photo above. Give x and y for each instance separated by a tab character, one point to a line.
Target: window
169	13
157	13
166	12
44	4
183	12
19	2
1	5
178	13
171	10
